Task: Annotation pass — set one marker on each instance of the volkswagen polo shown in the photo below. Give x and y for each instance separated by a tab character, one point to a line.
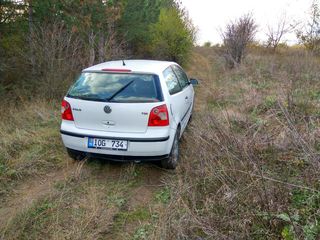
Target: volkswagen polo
133	110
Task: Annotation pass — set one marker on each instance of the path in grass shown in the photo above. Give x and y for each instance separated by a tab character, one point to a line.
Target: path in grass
89	199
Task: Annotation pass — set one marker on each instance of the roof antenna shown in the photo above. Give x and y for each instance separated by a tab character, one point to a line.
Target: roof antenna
123	63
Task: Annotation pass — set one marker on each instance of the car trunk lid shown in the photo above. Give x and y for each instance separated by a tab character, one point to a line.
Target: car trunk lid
111	117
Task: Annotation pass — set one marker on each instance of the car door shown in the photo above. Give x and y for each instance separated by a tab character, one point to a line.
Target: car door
177	97
187	92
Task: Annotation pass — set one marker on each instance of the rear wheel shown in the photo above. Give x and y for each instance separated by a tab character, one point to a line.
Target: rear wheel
172	161
76	155
190	118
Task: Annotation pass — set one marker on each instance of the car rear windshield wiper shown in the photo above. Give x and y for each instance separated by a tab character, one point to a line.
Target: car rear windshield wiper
119	91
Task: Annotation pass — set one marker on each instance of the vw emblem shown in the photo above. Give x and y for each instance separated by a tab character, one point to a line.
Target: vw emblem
107	109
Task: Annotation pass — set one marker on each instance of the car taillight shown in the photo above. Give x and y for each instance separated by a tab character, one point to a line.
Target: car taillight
66	112
159	116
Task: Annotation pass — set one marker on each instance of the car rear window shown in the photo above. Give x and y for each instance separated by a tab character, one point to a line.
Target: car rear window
117	87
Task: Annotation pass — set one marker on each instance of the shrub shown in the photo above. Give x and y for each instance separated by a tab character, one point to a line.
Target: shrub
310	35
236	37
173	36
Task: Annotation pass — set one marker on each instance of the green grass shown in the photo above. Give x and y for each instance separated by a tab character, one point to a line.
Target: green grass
139	214
141	233
163	196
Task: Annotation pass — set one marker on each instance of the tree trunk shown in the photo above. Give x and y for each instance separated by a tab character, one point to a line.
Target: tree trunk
101	47
30	21
92	55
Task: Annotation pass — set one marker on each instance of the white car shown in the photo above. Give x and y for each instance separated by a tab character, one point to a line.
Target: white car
132	110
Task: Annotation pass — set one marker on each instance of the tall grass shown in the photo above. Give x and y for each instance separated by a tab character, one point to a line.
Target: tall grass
250	166
29	140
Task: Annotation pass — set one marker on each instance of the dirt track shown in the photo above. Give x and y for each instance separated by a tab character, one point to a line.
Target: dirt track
147	181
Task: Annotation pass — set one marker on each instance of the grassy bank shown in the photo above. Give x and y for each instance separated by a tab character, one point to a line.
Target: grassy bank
250	168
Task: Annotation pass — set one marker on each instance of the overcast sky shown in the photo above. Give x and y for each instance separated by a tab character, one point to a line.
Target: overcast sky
211	15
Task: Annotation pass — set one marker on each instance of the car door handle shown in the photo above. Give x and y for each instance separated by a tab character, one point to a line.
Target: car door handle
186	98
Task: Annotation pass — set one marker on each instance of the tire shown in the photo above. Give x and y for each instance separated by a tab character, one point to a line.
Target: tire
75	155
191	115
190	118
171	162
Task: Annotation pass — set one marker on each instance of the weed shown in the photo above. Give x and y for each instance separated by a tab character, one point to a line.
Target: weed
141	233
139	214
315	95
117	200
163	195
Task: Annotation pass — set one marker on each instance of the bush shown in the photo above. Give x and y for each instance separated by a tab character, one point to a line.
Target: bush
173	36
310	35
236	38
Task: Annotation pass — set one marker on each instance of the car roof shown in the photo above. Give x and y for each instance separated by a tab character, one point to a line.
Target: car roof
143	66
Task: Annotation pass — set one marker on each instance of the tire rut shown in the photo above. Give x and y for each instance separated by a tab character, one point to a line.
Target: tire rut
27	193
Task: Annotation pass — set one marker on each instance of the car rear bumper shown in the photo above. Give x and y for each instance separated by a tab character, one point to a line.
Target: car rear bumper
138	148
121	158
160	139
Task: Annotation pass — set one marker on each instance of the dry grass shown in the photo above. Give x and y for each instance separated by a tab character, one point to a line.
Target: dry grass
249	167
44	194
30	144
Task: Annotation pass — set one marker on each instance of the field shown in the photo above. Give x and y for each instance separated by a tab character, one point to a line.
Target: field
249	167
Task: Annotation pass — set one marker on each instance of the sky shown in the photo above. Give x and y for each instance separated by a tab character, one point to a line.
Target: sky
209	16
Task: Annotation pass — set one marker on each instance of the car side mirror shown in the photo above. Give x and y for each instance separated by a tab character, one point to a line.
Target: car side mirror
194	82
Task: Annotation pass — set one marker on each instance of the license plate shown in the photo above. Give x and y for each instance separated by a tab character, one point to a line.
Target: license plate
120	145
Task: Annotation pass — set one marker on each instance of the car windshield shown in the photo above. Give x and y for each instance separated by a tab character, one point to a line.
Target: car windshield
116	87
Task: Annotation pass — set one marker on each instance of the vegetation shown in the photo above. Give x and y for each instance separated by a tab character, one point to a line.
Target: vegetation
136	23
48	42
236	37
173	36
251	170
250	157
309	35
276	34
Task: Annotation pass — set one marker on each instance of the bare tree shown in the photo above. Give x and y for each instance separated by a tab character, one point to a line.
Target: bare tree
236	37
91	47
310	35
30	23
58	54
276	33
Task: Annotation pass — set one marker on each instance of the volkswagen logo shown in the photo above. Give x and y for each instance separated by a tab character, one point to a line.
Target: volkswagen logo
107	109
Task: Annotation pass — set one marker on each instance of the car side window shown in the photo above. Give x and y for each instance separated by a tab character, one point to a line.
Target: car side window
171	81
182	76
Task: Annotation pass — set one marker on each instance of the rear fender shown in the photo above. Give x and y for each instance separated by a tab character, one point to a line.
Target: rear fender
174	118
